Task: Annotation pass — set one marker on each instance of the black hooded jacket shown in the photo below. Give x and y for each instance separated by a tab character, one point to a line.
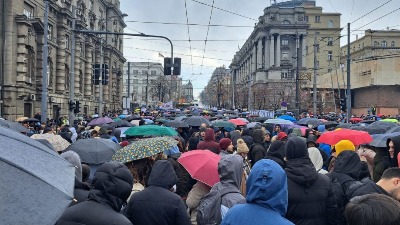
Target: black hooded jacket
381	163
276	152
111	186
311	198
157	205
364	187
257	150
185	181
246	137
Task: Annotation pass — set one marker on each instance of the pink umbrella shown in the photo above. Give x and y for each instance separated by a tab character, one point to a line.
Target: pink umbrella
202	165
238	122
100	121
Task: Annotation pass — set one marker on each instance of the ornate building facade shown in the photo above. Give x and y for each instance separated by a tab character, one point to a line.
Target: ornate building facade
21	72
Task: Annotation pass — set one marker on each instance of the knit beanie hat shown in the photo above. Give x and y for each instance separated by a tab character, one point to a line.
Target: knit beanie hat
281	135
321	128
124	143
344	145
242	146
224	143
296	148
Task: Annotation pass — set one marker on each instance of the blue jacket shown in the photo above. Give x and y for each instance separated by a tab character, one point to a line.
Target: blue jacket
267	197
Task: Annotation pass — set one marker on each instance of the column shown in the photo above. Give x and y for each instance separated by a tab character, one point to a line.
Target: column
259	54
87	91
60	61
266	52
303	51
272	51
278	51
77	66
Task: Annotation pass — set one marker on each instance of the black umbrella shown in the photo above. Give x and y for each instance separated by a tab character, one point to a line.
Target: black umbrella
394	129
120	123
386	124
380	140
94	150
133	117
36	184
330	124
14	126
196	121
344	125
374	129
29	120
310	121
176	124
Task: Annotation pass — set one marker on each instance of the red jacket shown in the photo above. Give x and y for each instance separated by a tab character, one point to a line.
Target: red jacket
209	142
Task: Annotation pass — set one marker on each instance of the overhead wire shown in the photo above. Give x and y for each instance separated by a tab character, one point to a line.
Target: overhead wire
190	24
224	10
188	30
208	30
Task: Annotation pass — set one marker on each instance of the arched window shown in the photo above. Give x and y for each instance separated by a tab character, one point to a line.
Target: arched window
330	24
392	44
384	44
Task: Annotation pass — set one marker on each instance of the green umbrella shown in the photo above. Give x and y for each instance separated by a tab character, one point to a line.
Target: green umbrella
116	119
150	130
162	120
143	148
223	123
390	120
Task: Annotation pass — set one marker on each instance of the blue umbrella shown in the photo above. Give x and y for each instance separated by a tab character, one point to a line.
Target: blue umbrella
287	117
379	140
122	116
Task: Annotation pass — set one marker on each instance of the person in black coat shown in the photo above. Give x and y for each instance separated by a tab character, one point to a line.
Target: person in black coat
257	150
311	198
276	152
111	187
185	181
156	204
381	163
246	137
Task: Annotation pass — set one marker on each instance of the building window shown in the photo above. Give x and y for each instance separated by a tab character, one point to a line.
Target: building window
362	45
136	72
28	10
285	42
285	55
153	72
306	18
392	44
285	22
66	84
81	84
144	72
135	81
284	75
376	44
330	41
330	24
317	19
384	44
30	61
66	42
329	55
329	70
49	32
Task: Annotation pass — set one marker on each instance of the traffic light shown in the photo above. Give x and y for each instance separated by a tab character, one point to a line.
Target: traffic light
71	105
343	104
167	66
77	107
96	74
104	77
177	66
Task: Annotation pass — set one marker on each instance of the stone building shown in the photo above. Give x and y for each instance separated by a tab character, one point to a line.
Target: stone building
375	75
187	92
218	92
21	63
281	42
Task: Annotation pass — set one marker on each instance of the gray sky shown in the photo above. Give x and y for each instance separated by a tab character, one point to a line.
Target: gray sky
197	64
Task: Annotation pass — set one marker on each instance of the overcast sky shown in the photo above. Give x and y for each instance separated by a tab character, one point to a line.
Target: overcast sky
200	58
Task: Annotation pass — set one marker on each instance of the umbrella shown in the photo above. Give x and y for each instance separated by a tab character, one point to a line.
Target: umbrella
120	123
391	120
355	136
29	120
36	184
355	120
122	116
237	122
223	123
133	117
330	124
202	165
100	121
344	125
162	120
58	142
379	140
135	122
196	121
116	119
383	123
394	129
94	150
180	118
21	119
14	126
243	119
122	129
253	125
150	130
310	121
287	117
143	148
148	121
374	129
278	121
176	124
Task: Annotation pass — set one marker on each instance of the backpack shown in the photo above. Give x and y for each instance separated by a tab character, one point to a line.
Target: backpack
209	210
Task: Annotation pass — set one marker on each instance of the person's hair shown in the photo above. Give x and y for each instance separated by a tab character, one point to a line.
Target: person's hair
47	130
278	125
390	173
373	209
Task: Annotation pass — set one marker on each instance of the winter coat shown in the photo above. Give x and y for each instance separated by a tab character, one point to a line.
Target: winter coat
381	163
276	152
246	137
185	181
195	195
311	198
396	143
257	150
364	187
234	136
81	191
262	207
156	204
346	172
111	186
209	142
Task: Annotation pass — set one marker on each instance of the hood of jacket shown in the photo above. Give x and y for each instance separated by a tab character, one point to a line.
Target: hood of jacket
348	162
73	158
316	158
209	135
230	169
301	171
277	148
111	185
245	131
258	136
235	135
396	144
267	186
163	175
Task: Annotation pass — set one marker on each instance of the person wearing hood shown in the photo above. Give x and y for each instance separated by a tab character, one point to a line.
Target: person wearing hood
199	190
393	145
267	140
316	159
246	137
111	186
381	163
81	189
156	204
234	136
209	142
103	133
257	150
66	134
266	200
225	144
311	198
312	142
276	152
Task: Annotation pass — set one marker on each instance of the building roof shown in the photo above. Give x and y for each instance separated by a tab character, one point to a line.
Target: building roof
294	3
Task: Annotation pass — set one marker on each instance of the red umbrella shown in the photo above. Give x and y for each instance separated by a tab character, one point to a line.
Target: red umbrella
238	122
355	120
202	165
355	136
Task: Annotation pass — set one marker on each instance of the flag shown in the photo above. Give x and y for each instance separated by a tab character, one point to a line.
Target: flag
160	55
